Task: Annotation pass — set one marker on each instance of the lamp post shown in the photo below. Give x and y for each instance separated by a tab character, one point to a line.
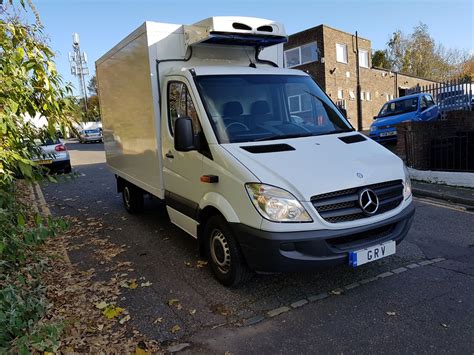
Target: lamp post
78	62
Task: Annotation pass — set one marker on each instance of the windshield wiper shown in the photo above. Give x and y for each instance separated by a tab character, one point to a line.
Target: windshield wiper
283	136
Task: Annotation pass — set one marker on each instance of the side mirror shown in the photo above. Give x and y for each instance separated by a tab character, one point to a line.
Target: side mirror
343	111
184	135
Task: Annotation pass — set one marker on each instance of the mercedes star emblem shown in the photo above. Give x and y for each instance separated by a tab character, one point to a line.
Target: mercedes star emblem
368	201
360	176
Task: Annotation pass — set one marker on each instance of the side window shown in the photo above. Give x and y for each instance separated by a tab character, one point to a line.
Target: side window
423	103
429	101
180	104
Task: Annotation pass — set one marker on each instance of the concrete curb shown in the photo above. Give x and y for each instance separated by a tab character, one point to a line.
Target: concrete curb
257	318
443	196
42	207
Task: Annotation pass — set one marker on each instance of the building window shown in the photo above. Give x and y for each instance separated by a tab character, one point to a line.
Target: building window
364	58
292	57
341	53
340	94
367	95
362	95
301	55
352	95
299	103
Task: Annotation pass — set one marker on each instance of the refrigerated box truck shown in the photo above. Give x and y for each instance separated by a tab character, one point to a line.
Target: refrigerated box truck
253	160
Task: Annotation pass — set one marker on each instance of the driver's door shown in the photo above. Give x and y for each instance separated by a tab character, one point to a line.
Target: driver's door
181	170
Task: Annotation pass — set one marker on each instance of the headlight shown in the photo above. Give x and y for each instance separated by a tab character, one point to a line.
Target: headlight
276	204
407	183
373	128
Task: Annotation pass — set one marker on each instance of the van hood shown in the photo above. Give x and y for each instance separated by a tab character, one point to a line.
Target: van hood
318	164
395	119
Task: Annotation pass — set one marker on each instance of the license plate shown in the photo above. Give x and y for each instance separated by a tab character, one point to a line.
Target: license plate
386	134
43	162
367	255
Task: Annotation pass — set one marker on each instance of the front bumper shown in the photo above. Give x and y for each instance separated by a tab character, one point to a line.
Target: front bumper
310	250
92	139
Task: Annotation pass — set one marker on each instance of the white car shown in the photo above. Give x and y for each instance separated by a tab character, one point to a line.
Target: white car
54	156
90	135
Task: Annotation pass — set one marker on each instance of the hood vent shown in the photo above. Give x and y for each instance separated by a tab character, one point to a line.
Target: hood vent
355	138
267	148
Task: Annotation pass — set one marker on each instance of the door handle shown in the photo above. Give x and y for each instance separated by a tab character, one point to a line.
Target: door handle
169	155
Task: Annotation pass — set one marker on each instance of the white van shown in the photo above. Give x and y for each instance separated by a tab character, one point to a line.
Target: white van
253	160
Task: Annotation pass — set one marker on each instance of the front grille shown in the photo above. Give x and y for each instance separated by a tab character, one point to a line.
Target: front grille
343	205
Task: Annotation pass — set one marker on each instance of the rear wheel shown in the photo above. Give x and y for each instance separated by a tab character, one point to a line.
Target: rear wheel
132	198
226	259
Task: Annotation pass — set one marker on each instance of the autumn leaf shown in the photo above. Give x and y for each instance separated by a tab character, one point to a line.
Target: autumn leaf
192	312
391	313
175	329
125	319
158	320
146	284
173	301
112	311
101	305
201	263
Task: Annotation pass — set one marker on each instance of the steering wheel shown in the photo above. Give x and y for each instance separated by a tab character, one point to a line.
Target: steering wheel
238	124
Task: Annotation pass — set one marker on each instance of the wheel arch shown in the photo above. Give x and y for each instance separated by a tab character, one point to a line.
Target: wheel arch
210	205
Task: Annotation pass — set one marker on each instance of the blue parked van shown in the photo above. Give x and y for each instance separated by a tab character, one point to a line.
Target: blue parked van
417	107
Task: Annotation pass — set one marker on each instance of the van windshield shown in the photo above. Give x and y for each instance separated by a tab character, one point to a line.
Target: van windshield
249	108
398	107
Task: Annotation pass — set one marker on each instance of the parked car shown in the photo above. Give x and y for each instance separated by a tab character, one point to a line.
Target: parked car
90	135
416	107
54	156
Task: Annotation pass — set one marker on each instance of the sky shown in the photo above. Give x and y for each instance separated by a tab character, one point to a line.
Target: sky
103	23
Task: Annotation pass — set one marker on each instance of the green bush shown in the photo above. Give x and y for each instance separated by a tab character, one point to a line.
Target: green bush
30	87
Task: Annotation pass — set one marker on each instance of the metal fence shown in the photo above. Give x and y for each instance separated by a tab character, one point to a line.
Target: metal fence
452	153
450	95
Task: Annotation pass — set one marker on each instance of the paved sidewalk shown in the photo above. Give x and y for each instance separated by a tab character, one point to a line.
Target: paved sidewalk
460	195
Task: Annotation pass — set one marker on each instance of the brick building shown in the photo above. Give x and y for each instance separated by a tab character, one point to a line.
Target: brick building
329	55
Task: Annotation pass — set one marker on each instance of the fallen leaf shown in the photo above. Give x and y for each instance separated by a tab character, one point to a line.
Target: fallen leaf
133	285
125	319
391	313
101	305
100	327
337	291
158	320
175	329
444	325
173	301
187	263
112	311
192	312
146	284
201	263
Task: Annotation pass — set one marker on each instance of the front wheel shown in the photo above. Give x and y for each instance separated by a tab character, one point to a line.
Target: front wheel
226	259
132	197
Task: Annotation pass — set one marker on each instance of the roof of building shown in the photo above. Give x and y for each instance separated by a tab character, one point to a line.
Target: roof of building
332	28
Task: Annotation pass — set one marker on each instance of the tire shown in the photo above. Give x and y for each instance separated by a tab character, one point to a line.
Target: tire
132	197
67	169
226	260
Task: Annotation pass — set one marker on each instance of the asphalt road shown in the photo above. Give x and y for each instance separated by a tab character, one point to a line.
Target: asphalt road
404	303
